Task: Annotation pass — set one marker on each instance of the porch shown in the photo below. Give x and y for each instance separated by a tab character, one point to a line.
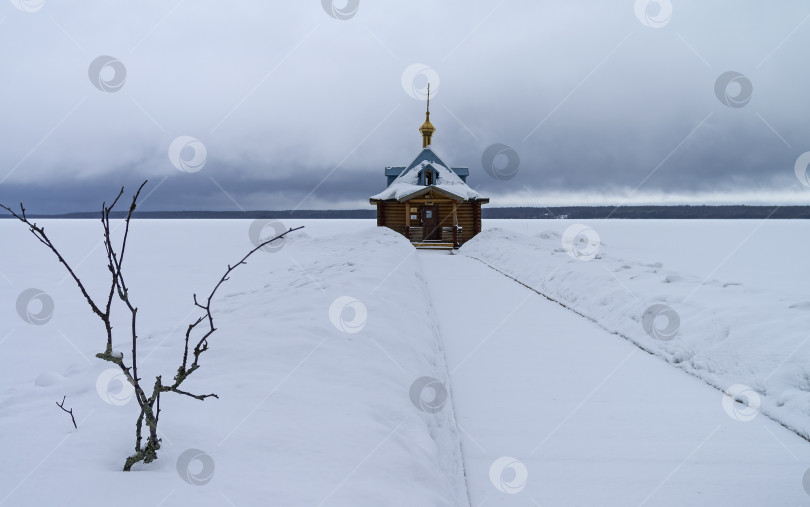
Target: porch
449	237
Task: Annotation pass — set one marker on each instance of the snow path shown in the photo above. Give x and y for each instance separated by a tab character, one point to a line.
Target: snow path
594	419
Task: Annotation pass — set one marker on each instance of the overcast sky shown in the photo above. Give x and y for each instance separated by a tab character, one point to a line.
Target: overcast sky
282	105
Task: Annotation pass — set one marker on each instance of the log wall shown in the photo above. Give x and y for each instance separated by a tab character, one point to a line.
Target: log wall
468	215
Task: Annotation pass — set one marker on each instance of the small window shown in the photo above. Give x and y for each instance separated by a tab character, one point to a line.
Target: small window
428	177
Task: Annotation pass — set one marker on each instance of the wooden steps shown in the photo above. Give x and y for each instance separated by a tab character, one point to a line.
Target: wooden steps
438	245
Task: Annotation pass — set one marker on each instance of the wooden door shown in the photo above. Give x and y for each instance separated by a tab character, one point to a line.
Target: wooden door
430	222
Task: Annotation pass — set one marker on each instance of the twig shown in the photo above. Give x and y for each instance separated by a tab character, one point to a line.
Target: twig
62	406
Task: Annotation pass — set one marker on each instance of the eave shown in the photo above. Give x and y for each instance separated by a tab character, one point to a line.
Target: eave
428	189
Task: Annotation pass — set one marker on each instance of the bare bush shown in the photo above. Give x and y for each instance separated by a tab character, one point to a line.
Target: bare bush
196	339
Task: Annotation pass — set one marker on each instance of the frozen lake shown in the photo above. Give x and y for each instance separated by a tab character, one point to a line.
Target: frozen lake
769	254
300	394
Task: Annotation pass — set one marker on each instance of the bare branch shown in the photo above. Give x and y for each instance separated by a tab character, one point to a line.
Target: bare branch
202	345
196	396
39	233
62	406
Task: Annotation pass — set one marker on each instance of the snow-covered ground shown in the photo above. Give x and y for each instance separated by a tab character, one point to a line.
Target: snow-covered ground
764	254
314	407
312	413
554	410
721	330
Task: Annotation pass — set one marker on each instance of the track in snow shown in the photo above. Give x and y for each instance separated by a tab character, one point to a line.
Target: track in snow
592	418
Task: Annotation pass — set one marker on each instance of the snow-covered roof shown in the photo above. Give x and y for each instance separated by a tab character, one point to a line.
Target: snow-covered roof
411	183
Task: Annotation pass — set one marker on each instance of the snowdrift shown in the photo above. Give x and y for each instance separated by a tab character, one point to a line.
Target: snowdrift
730	336
318	347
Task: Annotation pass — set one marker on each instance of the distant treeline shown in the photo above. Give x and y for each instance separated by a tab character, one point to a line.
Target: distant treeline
323	213
640	212
570	212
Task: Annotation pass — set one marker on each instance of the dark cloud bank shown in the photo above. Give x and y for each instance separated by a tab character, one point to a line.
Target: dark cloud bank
604	102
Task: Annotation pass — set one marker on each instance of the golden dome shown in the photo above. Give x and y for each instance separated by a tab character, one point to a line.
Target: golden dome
427	127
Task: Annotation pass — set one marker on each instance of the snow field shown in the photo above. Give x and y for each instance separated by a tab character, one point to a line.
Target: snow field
555	410
730	335
330	366
318	347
